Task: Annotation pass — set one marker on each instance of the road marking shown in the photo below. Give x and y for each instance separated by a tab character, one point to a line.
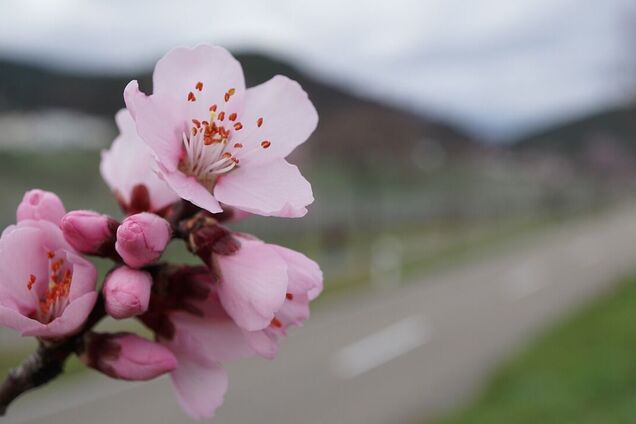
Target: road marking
381	347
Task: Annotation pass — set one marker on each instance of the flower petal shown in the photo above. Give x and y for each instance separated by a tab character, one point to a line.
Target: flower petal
200	388
288	119
264	342
304	274
180	70
22	255
129	163
161	123
253	284
11	318
69	322
190	189
215	336
84	276
294	312
275	188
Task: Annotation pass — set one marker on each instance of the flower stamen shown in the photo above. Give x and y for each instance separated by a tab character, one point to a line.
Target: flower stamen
207	151
52	302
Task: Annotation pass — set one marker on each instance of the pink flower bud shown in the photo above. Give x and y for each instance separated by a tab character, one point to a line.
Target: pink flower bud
41	205
127	356
127	292
142	238
90	232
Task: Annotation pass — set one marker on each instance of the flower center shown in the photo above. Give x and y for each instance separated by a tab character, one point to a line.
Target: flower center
52	301
209	147
207	153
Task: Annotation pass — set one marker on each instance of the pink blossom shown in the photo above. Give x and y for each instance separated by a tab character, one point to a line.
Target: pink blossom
201	344
46	288
127	292
90	232
41	205
142	238
127	168
127	356
214	141
252	283
305	284
188	318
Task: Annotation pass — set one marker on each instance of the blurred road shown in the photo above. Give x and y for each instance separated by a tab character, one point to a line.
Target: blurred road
390	356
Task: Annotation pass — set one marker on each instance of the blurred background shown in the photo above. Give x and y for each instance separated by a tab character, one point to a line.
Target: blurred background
474	172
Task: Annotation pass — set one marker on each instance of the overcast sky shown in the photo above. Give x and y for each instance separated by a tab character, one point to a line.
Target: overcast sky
497	67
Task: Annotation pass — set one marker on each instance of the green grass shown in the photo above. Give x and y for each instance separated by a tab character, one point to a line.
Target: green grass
583	371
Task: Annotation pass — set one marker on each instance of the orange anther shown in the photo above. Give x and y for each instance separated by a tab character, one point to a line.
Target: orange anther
229	94
259	122
276	323
31	281
265	144
199	86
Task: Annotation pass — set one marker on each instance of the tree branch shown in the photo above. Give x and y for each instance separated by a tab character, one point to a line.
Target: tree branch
47	362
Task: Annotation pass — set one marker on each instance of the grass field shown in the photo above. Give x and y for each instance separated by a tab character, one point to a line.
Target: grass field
583	371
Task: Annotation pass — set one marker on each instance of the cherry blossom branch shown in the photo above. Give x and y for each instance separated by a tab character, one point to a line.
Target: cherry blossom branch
203	236
47	362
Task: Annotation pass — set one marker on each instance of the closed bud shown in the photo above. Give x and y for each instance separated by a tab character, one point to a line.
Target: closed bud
142	238
41	205
127	292
126	356
90	232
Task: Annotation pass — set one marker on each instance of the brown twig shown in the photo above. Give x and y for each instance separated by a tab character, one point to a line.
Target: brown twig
47	362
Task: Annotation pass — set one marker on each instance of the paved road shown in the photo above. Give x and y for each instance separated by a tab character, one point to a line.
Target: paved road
390	356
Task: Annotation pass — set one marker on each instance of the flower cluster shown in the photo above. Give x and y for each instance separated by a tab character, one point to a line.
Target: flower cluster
197	154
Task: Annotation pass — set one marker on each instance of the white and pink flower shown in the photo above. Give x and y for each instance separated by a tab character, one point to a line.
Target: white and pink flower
264	286
46	288
216	141
304	284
